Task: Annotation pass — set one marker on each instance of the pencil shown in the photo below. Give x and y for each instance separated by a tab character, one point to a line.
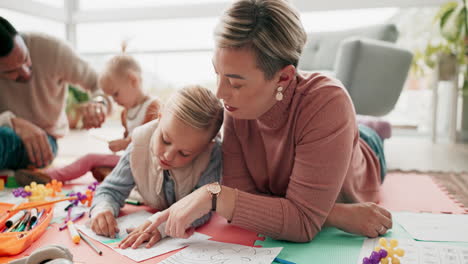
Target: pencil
85	239
39	204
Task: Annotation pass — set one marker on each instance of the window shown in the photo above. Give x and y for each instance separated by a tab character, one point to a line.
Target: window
106	4
23	22
167	34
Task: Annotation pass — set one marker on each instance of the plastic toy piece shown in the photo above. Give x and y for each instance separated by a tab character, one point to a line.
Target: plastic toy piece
20	192
87	197
39	192
375	257
393	252
55	186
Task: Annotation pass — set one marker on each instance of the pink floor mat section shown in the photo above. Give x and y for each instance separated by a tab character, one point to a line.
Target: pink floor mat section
416	193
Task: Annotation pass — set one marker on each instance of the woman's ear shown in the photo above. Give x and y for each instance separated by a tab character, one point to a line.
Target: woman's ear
285	75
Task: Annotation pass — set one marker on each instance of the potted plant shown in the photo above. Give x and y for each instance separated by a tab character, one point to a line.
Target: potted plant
75	97
448	49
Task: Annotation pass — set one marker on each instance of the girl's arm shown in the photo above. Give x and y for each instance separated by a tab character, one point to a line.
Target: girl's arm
113	191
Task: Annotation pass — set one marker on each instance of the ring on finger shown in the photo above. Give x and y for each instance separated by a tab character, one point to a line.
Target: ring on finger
382	229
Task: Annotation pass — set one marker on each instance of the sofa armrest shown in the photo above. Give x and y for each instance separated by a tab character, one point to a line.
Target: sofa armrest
373	72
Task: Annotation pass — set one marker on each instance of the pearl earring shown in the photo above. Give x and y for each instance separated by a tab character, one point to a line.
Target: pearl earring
279	94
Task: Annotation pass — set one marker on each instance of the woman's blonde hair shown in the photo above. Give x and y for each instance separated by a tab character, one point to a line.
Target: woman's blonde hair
198	107
272	28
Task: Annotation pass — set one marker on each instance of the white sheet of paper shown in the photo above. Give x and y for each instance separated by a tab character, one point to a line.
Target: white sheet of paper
421	252
134	220
124	222
205	252
434	227
166	245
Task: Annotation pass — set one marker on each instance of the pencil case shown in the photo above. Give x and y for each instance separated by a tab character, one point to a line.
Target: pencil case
13	243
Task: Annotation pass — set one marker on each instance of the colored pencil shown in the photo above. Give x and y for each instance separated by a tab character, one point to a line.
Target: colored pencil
85	239
39	204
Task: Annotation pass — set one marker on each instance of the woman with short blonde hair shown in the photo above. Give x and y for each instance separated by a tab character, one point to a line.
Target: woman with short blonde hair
294	157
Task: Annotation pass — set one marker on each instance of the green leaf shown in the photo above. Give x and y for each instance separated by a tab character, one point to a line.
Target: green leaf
444	9
451	24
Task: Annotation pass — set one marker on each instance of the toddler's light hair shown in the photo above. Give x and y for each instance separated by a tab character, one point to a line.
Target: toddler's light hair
121	65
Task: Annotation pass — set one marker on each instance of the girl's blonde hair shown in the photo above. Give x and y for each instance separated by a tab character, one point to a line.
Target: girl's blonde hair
122	64
271	28
198	107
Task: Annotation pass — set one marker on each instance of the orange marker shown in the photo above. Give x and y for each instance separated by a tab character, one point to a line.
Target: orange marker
73	232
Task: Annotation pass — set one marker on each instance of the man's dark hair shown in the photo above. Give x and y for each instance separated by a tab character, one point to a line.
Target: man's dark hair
7	35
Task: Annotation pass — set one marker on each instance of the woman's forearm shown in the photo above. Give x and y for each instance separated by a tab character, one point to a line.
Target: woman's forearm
226	202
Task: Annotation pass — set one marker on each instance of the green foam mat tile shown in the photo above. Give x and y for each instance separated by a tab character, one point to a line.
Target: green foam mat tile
331	245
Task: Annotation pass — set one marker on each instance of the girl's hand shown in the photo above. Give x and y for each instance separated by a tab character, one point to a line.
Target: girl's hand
367	219
139	235
104	224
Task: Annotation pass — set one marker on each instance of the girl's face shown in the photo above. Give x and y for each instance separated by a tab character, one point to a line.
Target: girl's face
242	85
178	143
125	91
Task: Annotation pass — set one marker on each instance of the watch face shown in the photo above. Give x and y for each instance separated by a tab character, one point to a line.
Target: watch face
214	188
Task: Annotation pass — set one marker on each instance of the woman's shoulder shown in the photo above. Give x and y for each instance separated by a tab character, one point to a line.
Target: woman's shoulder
319	83
314	90
321	98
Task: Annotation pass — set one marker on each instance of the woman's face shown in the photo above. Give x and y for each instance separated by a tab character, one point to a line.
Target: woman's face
178	143
242	85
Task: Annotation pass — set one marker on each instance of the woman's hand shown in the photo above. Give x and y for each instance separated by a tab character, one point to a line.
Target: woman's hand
104	224
367	219
181	215
139	235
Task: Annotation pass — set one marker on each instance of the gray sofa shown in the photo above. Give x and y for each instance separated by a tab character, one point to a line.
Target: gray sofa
366	60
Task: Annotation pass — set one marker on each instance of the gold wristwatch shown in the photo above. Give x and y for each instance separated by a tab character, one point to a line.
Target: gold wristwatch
214	189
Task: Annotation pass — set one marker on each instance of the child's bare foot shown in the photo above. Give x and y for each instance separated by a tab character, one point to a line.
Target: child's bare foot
100	173
25	177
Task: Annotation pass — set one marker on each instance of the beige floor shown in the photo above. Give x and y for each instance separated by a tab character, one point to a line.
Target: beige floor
419	153
405	152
